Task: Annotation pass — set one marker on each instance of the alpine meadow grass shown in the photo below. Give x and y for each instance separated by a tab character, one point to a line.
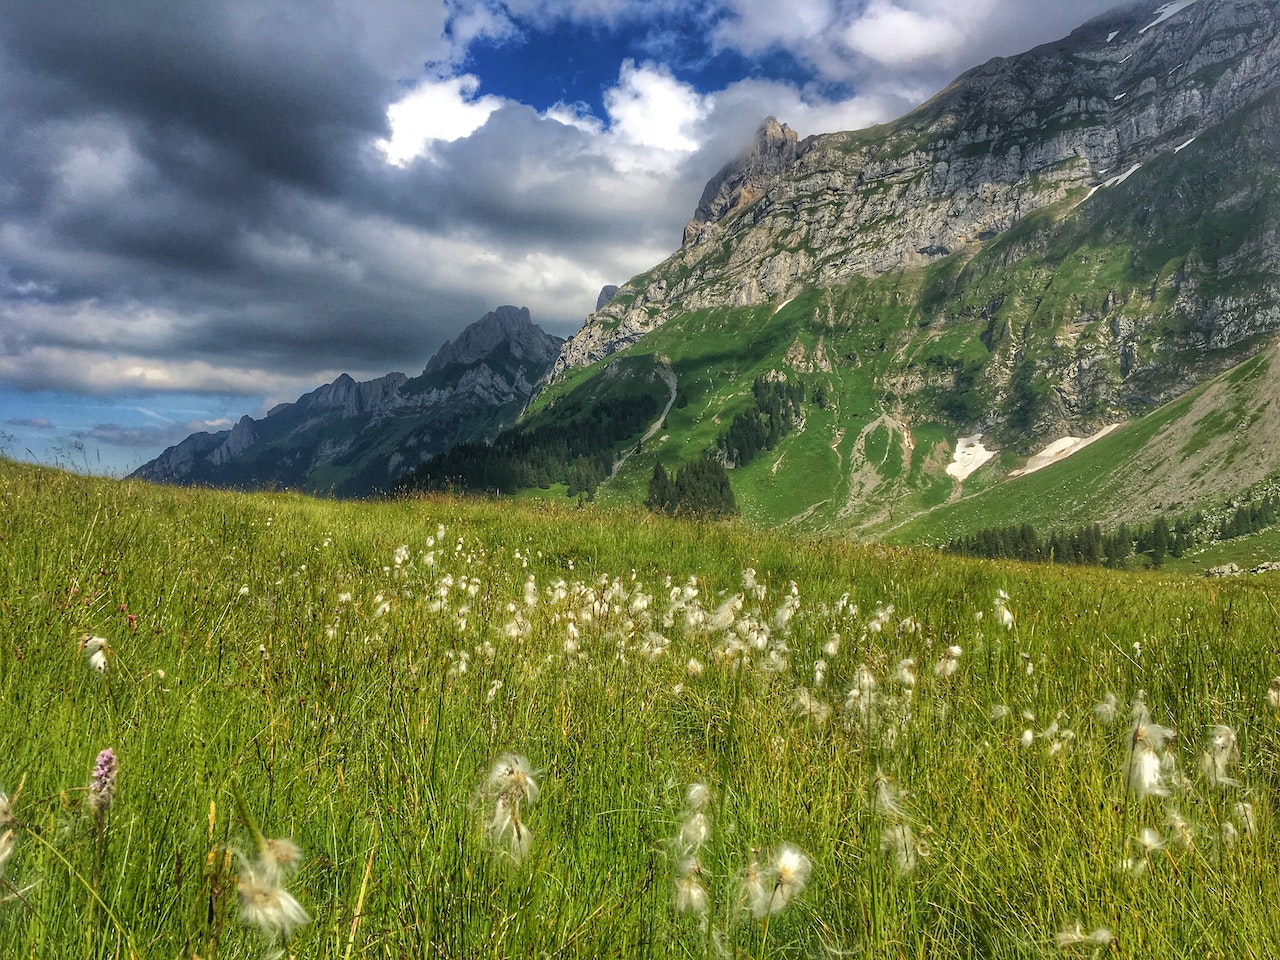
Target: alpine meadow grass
487	729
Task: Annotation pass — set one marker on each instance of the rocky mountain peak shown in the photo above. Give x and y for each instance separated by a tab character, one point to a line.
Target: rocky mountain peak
508	325
742	181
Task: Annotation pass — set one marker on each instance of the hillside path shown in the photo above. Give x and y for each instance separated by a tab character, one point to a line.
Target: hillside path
669	377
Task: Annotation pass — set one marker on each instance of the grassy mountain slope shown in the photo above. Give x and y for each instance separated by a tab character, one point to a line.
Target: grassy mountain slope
1096	310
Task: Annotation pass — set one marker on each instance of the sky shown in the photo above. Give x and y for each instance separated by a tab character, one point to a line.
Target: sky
210	208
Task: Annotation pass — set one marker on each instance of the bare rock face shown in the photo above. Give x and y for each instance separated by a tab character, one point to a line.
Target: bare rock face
743	181
1007	139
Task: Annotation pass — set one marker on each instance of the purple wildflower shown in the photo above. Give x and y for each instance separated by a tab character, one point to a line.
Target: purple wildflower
102	784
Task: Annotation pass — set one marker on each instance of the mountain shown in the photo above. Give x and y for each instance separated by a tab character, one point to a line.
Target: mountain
1060	242
353	439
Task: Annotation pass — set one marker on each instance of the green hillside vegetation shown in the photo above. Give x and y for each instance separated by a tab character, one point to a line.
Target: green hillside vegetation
439	727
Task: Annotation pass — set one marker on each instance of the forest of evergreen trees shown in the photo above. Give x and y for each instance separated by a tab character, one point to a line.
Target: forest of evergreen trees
1151	544
774	414
699	489
576	447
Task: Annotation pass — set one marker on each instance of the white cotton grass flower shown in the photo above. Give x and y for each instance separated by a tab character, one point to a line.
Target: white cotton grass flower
695	831
1107	709
691	892
697	796
1076	936
767	890
265	904
1179	830
1221	751
949	663
899	842
1243	813
96	650
1273	695
1004	617
509	785
791	867
1230	835
512	777
8	841
808	707
887	801
1145	778
507	832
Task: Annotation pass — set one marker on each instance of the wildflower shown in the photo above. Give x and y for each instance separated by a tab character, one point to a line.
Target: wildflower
1075	935
1219	755
509	784
1004	616
96	649
691	894
1243	812
1145	776
888	799
809	707
755	889
697	796
696	831
8	840
1150	841
102	784
904	673
1106	709
507	831
723	616
1230	835
267	905
949	664
511	777
899	842
1273	694
767	890
1147	770
791	867
1180	830
694	667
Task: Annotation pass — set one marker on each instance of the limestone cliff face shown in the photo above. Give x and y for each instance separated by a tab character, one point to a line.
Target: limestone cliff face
1010	138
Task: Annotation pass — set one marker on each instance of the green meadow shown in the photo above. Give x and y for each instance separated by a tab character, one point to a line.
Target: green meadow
431	727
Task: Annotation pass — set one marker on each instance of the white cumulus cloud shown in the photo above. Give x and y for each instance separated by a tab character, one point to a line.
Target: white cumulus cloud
436	110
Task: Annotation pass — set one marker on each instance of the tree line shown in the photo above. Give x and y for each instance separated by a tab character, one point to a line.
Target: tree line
575	446
1089	544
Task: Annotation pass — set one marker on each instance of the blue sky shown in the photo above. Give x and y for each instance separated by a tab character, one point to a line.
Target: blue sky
207	209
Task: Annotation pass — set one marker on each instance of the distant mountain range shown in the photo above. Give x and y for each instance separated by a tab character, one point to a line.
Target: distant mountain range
354	439
1081	238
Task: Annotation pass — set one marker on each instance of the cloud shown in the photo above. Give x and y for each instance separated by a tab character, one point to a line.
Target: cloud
892	34
438	110
650	108
35	423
